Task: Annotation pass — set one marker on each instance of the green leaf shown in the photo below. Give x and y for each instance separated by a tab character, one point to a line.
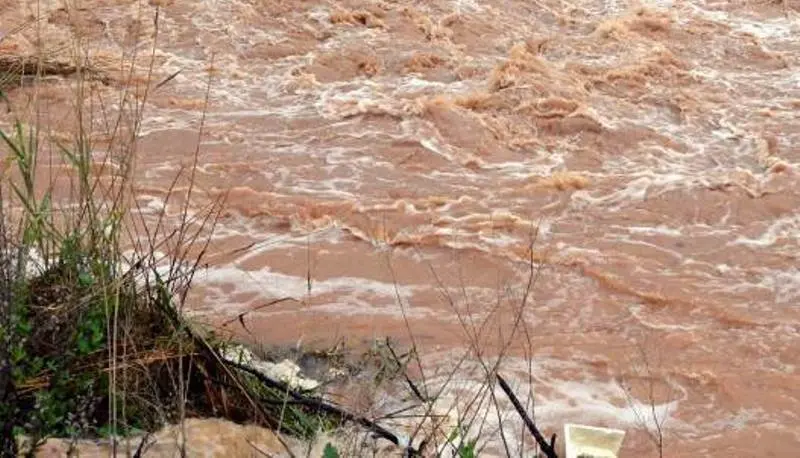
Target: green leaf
468	450
11	144
72	158
18	354
330	451
453	435
85	279
22	197
83	346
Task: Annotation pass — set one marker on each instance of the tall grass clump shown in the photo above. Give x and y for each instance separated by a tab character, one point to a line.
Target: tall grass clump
86	331
92	339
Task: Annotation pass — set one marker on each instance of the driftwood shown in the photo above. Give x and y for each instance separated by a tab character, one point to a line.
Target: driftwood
548	449
21	66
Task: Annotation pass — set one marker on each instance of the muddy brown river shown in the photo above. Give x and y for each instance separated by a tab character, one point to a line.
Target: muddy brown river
399	166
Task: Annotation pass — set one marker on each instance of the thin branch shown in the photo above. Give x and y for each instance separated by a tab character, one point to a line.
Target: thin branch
547	448
321	405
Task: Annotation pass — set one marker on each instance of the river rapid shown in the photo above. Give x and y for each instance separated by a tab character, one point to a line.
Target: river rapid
401	167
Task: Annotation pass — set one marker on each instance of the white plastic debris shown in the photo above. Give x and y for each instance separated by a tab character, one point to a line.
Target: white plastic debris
591	441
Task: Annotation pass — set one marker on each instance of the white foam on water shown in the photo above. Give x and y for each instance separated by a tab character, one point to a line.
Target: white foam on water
587	400
467	6
785	284
782	228
777	28
275	284
654	230
635	190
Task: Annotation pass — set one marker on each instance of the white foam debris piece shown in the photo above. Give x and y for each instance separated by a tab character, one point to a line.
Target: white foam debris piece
286	371
238	354
591	441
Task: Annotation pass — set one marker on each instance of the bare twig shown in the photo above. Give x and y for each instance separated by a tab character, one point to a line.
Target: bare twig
143	445
547	448
410	383
240	317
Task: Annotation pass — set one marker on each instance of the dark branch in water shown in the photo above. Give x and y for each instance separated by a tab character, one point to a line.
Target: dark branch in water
143	445
321	405
167	80
410	383
548	449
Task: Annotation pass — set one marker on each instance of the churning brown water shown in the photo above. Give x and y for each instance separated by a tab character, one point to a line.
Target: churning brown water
375	153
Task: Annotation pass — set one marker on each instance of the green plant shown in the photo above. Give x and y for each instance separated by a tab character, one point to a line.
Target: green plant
468	449
465	449
330	451
93	343
65	297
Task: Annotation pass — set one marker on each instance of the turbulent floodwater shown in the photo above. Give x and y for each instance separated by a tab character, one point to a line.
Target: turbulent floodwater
375	154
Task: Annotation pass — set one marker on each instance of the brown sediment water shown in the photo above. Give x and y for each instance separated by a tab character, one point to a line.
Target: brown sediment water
374	154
